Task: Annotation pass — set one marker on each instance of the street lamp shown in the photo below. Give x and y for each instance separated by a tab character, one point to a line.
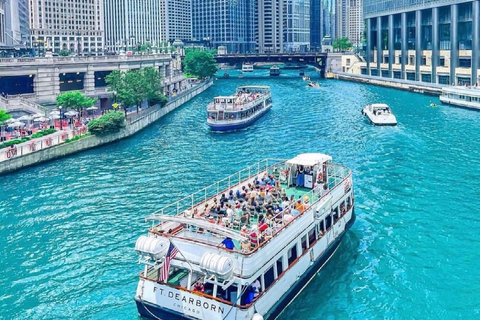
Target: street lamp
61	118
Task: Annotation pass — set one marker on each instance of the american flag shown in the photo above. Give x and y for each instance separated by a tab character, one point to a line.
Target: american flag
172	252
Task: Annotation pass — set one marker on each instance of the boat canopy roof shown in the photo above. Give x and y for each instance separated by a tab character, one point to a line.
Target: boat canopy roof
309	159
254	88
380	106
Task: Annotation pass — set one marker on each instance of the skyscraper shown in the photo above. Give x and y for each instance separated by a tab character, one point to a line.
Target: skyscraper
17	33
225	23
176	19
316	25
132	23
355	25
2	23
296	25
270	26
74	25
341	15
423	40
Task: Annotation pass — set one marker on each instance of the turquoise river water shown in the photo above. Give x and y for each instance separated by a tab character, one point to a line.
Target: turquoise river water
68	227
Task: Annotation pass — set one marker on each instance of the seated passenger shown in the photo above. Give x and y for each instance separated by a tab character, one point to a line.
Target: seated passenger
199	287
228	243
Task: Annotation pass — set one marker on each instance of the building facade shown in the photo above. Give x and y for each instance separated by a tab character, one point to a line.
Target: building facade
296	36
316	25
130	24
341	11
232	24
436	41
74	25
355	25
270	26
2	24
16	32
176	20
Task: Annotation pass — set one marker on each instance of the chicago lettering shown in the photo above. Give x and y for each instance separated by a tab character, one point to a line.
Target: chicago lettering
189	300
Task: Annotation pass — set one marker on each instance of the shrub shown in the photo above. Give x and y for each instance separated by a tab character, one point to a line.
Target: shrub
109	123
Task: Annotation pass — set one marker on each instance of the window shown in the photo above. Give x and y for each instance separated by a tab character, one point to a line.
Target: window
269	277
441	62
424	60
426	78
304	243
280	266
311	237
397	74
292	254
321	227
328	222
444	80
465	62
411	76
335	214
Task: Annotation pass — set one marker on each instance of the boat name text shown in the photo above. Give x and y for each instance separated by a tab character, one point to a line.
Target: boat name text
190	301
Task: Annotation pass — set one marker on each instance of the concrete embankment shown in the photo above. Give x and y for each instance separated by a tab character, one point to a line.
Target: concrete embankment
413	86
135	123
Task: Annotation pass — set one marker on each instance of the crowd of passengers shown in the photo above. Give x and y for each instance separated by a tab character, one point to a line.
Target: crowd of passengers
241	97
259	209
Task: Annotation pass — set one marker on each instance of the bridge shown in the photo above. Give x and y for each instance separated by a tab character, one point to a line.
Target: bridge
316	59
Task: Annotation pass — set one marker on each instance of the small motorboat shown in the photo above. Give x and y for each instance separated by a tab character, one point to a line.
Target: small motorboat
380	114
433	105
274	71
306	78
313	84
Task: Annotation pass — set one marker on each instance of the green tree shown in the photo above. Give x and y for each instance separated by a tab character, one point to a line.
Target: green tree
75	100
64	53
342	44
109	123
4	116
200	63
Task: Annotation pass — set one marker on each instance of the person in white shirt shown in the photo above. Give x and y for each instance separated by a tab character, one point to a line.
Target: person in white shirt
256	287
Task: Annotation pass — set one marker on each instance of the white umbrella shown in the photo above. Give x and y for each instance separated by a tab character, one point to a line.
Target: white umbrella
16	124
71	113
55	116
11	120
25	118
54	113
41	119
38	115
92	108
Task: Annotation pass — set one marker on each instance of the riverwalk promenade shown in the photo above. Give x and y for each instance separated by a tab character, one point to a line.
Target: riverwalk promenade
58	144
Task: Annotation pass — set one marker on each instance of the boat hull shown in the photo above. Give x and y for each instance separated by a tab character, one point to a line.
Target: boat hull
151	311
237	125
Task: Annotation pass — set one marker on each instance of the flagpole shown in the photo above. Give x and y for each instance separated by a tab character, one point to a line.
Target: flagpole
186	260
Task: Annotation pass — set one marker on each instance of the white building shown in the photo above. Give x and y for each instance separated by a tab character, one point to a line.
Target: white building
355	25
176	20
74	25
270	26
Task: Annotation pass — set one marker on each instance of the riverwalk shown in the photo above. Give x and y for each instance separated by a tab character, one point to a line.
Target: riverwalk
413	86
57	145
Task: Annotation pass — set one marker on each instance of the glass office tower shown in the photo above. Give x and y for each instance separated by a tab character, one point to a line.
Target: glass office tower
435	41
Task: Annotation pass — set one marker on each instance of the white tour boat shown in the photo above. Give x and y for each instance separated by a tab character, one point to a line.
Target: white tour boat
215	255
467	97
247	67
380	114
239	110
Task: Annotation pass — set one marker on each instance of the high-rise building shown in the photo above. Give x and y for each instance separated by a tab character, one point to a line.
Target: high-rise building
14	23
74	25
225	23
129	24
341	11
316	25
270	26
2	23
435	41
176	19
296	25
329	27
355	24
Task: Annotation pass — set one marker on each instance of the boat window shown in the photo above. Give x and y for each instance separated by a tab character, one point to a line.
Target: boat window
292	254
349	202
280	266
232	294
311	236
222	294
335	214
321	227
304	243
269	278
328	222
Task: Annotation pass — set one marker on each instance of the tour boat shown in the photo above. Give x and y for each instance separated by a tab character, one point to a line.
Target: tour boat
380	114
240	109
274	71
467	97
247	67
199	264
313	84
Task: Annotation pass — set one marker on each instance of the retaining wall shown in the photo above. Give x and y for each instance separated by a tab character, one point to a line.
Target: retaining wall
430	89
134	125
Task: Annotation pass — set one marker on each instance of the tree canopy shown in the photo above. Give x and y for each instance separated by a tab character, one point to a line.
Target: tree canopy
75	100
132	87
199	63
4	116
111	122
342	44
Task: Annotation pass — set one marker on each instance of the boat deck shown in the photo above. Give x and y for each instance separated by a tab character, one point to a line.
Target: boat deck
192	219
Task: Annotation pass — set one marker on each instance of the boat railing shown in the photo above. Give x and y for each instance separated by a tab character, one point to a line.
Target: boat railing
213	190
235	106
